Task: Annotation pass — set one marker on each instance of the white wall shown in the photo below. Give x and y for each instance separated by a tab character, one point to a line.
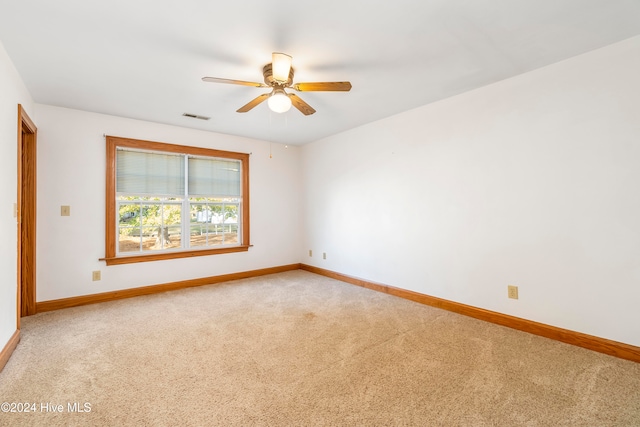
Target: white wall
12	93
532	181
71	171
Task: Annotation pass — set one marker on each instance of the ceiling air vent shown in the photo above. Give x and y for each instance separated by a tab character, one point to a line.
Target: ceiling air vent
195	116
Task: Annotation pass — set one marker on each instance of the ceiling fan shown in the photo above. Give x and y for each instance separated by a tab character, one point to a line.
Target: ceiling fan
279	76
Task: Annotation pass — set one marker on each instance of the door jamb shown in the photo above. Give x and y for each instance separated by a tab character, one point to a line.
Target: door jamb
26	215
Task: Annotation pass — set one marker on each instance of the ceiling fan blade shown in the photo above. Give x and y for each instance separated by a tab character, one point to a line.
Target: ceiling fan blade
323	86
233	82
301	105
253	103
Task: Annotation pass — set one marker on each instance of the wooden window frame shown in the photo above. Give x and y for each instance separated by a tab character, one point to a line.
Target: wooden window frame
113	143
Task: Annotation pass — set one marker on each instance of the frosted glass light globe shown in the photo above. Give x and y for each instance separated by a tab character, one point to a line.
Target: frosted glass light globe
279	102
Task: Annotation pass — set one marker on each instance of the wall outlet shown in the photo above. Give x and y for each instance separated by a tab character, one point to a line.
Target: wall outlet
65	210
96	275
512	291
310	252
324	255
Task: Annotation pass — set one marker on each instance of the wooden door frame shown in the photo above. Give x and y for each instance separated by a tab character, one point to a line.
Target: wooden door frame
26	215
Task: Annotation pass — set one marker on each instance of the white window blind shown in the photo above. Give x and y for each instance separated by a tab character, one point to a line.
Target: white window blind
214	177
149	173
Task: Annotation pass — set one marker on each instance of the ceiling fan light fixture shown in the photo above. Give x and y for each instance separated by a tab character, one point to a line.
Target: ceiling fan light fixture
278	75
279	101
281	64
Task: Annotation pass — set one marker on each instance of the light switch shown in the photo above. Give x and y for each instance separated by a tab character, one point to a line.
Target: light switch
65	210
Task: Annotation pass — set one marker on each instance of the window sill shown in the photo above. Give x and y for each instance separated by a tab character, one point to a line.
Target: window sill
172	255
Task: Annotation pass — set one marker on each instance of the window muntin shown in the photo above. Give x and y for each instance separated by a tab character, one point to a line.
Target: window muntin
169	201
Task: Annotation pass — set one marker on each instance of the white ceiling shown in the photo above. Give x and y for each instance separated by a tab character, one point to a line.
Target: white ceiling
145	59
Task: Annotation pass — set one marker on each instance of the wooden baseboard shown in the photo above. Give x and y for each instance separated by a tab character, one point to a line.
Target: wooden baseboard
602	345
7	351
154	289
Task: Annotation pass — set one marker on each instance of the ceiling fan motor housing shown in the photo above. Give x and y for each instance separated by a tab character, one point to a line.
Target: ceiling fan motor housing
267	72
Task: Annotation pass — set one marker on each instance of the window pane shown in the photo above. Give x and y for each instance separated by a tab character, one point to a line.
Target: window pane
217	216
231	213
150	239
200	213
171	236
129	227
171	214
198	236
171	223
214	177
129	214
149	173
231	234
129	239
152	214
200	218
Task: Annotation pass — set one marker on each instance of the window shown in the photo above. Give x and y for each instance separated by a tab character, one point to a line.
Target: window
169	201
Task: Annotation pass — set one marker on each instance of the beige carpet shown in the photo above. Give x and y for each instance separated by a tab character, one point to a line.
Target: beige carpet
297	349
